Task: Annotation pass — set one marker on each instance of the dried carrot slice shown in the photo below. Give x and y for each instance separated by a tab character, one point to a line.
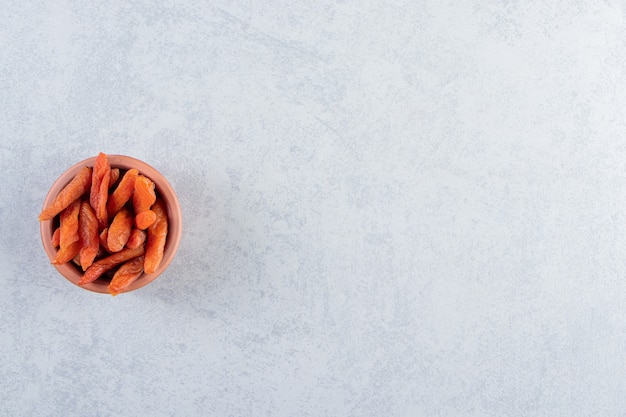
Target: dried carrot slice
122	193
144	195
103	265
68	223
136	239
100	188
73	190
126	275
115	175
119	230
56	238
67	253
88	231
145	219
157	236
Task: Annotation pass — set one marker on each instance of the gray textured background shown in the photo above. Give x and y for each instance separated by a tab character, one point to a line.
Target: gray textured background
391	208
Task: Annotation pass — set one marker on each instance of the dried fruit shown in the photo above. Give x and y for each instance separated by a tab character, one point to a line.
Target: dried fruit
103	265
136	239
72	191
126	275
100	188
68	234
115	175
56	237
145	219
68	225
144	197
119	230
104	234
122	193
66	254
88	231
157	236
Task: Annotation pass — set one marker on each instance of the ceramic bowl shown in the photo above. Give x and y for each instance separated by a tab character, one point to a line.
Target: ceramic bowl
164	190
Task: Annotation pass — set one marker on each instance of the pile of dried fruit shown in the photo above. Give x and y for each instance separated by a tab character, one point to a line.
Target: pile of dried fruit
109	222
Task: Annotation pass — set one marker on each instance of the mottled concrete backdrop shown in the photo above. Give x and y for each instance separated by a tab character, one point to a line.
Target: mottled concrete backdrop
394	208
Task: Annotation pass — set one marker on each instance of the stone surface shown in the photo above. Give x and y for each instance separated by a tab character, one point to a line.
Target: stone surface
391	208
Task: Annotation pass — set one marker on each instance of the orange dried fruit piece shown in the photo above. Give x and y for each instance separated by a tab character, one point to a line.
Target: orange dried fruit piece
78	186
106	264
100	188
145	219
88	231
126	275
56	238
68	234
104	234
119	230
67	253
68	225
157	237
122	193
136	239
144	195
115	175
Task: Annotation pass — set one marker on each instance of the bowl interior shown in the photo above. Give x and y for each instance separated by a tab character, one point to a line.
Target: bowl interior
164	190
